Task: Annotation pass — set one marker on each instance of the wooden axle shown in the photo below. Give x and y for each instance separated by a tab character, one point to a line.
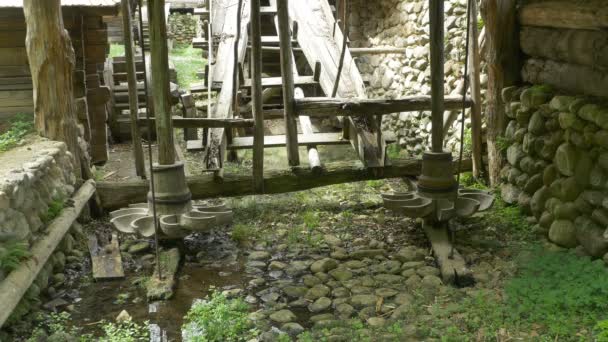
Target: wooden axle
115	195
181	122
327	106
267	82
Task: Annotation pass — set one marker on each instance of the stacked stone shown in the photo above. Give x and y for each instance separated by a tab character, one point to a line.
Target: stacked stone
25	194
182	27
405	24
558	165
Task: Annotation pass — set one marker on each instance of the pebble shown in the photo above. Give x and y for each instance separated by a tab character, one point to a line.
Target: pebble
319	305
259	255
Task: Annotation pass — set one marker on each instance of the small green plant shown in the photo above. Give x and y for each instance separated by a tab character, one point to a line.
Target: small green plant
55	208
394	151
601	331
467	180
467	146
117	50
219	319
20	126
125	331
241	233
11	255
503	143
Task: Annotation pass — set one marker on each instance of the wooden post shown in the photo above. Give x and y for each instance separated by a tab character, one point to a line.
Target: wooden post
313	154
51	58
256	94
474	80
503	70
291	129
160	81
138	152
437	83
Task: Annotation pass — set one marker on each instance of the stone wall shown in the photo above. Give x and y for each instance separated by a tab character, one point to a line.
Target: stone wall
405	24
35	180
557	167
182	27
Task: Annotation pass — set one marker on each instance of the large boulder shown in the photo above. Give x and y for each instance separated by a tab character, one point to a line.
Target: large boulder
591	237
563	233
509	193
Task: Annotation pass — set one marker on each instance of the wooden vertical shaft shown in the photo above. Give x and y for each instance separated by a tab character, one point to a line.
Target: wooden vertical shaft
474	80
51	59
256	94
138	152
436	17
291	128
160	81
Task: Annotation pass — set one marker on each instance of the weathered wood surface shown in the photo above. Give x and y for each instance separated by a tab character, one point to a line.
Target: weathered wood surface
119	194
314	161
377	51
267	82
257	97
17	282
585	47
503	61
475	85
138	152
51	59
106	260
576	79
327	106
436	18
321	41
223	71
575	14
180	122
452	265
280	140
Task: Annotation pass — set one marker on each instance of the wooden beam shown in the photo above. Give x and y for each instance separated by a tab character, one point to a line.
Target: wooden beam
287	67
280	140
138	152
257	101
264	10
452	265
327	106
474	79
181	122
115	195
436	16
313	154
377	51
202	43
267	82
580	15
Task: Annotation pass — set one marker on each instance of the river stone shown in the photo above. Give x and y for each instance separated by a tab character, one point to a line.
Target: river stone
597	177
354	264
509	94
292	329
139	247
534	183
583	168
412	265
601	139
363	300
537	124
523	201
431	282
332	240
565	211
591	237
522	117
295	291
510	130
283	316
323	265
595	198
376	322
319	305
509	193
298	303
566	158
545	220
589	112
561	103
310	280
317	291
340	292
428	270
389	266
367	253
259	256
277	265
344	310
563	233
603	160
322	317
409	253
413	281
386	292
537	203
600	216
297	268
341	274
515	154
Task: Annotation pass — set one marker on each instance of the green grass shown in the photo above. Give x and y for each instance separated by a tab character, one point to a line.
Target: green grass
219	319
55	208
188	62
242	233
11	255
117	50
20	126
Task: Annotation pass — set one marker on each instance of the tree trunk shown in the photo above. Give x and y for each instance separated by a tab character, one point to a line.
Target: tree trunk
577	79
583	47
51	59
503	70
586	14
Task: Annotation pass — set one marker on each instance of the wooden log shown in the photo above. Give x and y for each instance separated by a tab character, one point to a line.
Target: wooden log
576	79
452	265
327	106
436	16
475	82
17	282
179	122
160	81
583	47
138	151
314	160
51	59
585	15
256	94
376	51
504	67
119	194
281	140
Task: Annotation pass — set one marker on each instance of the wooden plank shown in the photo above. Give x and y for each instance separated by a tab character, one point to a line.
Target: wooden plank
16	98
327	106
13	56
267	82
377	51
203	43
580	15
14	71
474	79
180	122
280	140
116	195
452	265
264	10
106	260
257	102
320	42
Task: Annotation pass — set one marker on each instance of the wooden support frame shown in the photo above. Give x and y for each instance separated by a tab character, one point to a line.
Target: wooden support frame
475	82
138	152
436	17
115	195
257	98
181	122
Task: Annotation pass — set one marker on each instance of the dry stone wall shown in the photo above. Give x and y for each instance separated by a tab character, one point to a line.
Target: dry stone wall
182	27
405	24
34	182
557	167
